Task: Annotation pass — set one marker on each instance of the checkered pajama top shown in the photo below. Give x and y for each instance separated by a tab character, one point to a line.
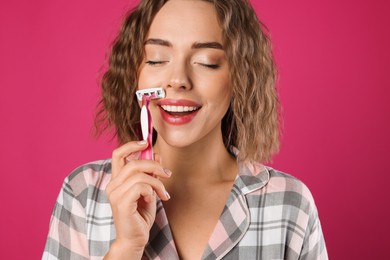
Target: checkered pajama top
268	215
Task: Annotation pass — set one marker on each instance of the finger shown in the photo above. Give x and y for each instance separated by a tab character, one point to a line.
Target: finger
146	166
127	199
145	202
141	166
150	198
157	158
128	186
119	155
115	190
133	156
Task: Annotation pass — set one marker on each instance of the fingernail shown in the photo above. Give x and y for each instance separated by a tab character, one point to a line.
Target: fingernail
141	142
167	172
167	194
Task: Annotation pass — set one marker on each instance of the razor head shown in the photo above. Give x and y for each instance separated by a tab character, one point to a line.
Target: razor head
153	93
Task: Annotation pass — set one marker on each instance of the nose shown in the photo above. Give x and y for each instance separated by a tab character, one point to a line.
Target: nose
178	77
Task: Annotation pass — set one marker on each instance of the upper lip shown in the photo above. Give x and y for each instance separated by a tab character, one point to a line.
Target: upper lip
178	102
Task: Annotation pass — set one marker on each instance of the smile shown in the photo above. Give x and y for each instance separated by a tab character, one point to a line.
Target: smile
178	112
178	108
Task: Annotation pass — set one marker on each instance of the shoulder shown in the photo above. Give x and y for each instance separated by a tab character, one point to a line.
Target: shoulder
282	191
89	173
298	206
281	182
88	179
282	209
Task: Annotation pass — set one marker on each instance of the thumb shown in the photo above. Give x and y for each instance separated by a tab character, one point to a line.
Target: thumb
157	158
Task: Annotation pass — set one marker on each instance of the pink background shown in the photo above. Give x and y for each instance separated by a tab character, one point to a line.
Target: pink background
334	65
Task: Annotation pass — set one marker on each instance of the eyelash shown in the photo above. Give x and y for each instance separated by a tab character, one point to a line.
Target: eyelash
154	63
209	66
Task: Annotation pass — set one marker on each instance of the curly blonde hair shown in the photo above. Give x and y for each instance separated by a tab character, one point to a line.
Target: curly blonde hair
252	121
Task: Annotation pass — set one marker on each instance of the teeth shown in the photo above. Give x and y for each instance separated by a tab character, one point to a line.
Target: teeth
178	108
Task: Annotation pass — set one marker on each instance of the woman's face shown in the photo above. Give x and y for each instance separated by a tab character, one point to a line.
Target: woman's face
185	56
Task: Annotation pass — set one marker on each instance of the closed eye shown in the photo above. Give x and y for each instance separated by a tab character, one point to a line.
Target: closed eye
211	66
154	63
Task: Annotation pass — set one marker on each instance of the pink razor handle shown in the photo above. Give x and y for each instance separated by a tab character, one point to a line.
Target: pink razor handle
147	154
146	95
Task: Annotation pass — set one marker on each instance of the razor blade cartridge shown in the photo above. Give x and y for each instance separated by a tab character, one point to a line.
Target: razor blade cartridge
151	92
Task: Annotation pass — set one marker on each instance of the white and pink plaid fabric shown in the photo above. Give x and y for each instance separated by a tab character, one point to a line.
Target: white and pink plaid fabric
268	215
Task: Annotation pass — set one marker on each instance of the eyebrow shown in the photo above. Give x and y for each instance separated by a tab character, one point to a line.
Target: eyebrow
212	45
196	45
158	42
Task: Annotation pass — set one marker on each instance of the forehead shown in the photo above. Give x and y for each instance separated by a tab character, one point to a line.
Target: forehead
186	20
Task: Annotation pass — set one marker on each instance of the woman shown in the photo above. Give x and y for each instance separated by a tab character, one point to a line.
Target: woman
207	195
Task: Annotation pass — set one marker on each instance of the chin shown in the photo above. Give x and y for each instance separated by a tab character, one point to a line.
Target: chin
176	141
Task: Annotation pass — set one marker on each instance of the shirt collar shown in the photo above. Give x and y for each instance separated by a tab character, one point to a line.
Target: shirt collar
251	175
235	218
232	224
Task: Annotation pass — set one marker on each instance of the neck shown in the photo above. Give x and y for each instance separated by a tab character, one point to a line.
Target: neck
204	162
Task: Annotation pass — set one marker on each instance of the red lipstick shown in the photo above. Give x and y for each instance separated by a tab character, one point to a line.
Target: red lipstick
178	111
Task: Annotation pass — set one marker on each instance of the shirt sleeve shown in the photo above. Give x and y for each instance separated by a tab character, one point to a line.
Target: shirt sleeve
67	238
314	243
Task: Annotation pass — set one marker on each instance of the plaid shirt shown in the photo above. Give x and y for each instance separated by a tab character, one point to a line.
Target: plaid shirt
268	215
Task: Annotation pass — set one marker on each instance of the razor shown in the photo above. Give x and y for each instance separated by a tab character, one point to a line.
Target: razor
145	96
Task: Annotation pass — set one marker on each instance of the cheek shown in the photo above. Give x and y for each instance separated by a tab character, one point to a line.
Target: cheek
148	79
143	81
218	91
